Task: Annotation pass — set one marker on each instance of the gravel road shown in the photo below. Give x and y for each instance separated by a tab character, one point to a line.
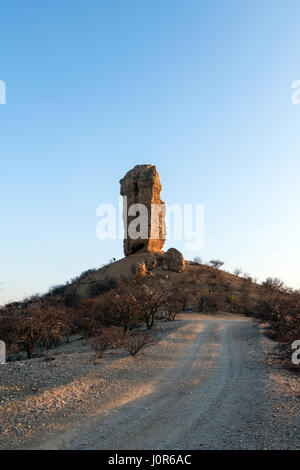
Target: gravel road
215	390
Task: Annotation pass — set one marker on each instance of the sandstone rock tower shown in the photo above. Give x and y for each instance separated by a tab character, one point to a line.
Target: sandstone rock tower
141	185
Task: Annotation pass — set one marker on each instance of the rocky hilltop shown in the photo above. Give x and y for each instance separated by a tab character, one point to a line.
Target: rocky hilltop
143	255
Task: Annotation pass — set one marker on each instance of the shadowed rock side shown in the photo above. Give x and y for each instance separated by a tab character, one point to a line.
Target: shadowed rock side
141	185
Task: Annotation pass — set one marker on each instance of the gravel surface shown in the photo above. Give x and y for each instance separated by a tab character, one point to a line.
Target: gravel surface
208	382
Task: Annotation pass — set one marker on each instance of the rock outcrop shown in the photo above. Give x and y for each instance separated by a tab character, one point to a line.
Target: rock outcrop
144	225
174	260
151	262
139	269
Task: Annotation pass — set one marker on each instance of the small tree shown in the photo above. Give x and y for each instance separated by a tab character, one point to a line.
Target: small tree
151	300
216	263
173	303
42	325
125	305
237	272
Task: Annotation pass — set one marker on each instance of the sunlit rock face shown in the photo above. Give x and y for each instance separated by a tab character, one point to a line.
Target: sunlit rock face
141	185
174	261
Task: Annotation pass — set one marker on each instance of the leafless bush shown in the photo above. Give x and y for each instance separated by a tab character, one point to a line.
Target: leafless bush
173	302
100	342
216	263
273	284
237	272
89	317
41	326
151	299
33	323
280	308
134	343
126	305
171	315
9	318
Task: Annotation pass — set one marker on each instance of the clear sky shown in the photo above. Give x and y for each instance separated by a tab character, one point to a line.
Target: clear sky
200	88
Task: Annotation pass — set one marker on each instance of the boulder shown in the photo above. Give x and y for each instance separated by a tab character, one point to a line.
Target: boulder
174	260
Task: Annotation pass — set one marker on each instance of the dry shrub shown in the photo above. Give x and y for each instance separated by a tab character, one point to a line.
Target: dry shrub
89	317
33	323
171	315
173	302
134	343
99	343
106	337
172	308
151	298
118	307
8	321
124	306
43	326
284	354
280	308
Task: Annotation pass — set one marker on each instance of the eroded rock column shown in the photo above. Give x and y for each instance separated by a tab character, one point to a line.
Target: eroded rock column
144	225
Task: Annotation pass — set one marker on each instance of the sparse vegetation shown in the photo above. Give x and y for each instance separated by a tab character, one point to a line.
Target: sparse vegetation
114	309
100	342
173	304
216	263
34	325
97	288
237	272
134	343
152	299
279	306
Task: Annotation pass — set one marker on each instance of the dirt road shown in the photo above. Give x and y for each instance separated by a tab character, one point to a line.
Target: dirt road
215	390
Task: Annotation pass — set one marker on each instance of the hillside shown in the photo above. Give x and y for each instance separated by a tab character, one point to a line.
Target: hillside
195	276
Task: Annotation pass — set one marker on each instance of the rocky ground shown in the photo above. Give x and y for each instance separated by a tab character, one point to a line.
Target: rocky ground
207	382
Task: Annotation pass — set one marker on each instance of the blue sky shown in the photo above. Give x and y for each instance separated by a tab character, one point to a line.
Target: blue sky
202	89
